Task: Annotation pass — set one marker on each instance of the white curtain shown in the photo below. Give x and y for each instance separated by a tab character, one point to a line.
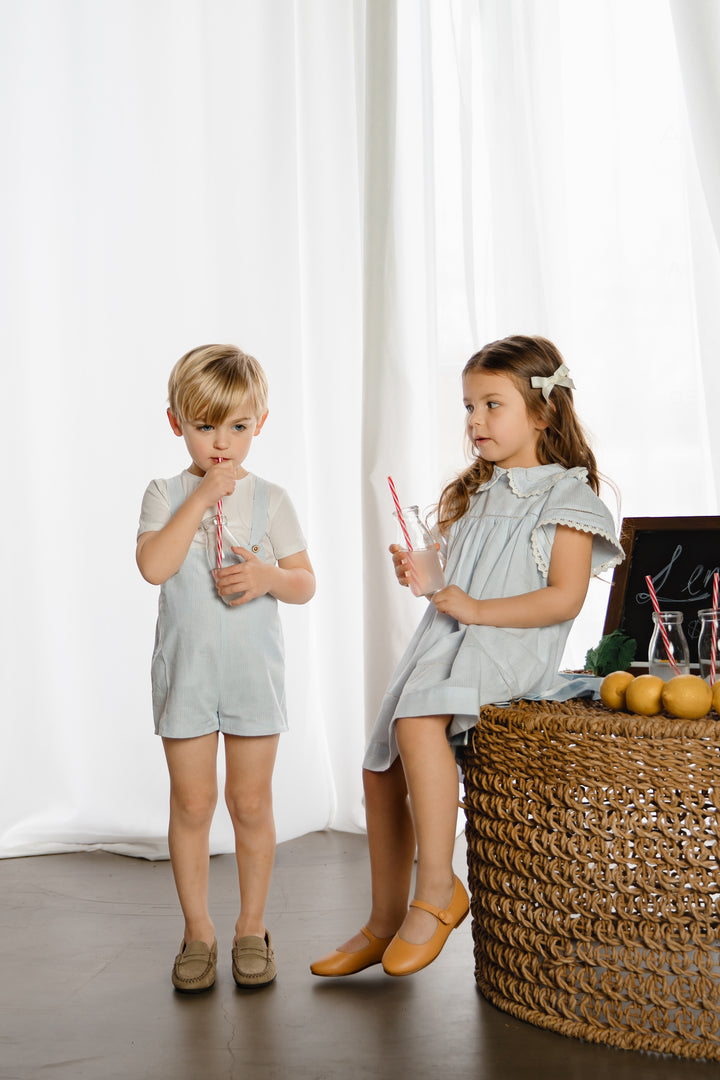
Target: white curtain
360	193
697	30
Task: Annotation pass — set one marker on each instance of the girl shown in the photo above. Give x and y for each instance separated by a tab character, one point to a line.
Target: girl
218	660
523	530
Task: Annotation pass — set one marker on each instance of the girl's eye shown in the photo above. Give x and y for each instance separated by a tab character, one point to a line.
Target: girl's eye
468	409
493	404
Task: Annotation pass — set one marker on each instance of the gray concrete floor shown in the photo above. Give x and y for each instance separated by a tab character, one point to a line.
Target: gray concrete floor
87	942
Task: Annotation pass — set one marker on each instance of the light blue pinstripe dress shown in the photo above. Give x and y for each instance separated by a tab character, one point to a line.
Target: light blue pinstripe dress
215	667
501	547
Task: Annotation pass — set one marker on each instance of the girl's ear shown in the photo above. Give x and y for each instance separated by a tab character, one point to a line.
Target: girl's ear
174	424
539	421
261	421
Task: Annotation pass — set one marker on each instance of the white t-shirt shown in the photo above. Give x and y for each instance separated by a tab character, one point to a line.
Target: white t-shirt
283	536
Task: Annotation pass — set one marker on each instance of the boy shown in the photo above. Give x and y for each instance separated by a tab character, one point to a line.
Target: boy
218	662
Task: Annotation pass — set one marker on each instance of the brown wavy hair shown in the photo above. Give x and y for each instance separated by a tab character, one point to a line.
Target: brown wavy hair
562	442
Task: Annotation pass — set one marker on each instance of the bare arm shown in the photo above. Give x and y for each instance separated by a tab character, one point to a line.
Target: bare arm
561	599
160	554
292	580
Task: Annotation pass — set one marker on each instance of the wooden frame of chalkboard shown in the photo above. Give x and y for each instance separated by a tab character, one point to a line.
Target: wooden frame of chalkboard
680	554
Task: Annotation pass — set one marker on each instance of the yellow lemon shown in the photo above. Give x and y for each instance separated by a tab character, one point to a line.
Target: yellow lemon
687	696
716	697
613	687
644	695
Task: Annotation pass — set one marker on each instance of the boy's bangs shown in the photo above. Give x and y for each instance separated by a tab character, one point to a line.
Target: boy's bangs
215	405
214	381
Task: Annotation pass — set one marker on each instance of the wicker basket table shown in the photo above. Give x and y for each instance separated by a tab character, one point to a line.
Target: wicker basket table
593	848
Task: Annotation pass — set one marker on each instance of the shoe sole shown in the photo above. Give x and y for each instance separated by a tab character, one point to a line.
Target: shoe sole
194	989
256	984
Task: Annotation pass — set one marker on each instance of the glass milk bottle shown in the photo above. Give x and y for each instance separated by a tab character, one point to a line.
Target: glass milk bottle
219	542
668	627
708	644
426	573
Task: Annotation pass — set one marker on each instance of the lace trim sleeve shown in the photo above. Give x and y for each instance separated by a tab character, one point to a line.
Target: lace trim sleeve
606	551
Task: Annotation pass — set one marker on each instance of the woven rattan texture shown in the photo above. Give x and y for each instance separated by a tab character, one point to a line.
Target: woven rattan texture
592	841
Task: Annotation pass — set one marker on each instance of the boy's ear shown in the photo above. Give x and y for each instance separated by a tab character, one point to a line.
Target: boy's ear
261	421
174	424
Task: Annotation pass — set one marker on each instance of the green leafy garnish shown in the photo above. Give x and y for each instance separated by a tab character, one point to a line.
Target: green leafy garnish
615	652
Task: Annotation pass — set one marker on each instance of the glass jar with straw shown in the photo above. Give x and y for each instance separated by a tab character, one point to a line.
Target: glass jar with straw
668	652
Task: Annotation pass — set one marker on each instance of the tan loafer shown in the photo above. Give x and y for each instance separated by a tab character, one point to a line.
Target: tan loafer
253	961
195	967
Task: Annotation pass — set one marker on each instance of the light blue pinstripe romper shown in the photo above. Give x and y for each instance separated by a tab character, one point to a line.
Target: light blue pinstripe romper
214	667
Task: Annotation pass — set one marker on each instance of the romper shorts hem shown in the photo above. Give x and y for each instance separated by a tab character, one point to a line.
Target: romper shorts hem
248	729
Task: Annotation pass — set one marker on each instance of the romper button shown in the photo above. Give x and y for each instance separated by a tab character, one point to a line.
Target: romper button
256	547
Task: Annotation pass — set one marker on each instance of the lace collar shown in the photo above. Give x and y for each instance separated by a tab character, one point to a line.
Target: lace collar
533	481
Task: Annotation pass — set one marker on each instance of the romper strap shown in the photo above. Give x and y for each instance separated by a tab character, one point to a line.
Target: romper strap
176	495
260	514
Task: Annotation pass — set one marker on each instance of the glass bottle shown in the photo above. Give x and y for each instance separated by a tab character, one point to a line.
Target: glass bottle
708	644
228	541
426	572
659	662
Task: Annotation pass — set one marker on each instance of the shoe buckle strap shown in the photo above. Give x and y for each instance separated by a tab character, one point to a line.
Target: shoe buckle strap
442	916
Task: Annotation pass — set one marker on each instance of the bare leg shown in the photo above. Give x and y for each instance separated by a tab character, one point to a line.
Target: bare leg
391	840
432	779
193	796
248	793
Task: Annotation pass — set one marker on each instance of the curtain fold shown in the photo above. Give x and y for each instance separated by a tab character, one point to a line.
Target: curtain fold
697	33
403	429
361	193
697	36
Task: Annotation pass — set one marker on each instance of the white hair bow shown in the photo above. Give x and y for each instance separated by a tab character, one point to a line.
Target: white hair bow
559	377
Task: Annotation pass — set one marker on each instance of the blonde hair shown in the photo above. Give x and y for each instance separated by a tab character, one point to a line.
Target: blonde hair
209	382
563	442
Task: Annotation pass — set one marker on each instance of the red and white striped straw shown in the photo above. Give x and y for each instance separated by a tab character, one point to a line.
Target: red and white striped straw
401	519
713	638
663	631
219	531
219	545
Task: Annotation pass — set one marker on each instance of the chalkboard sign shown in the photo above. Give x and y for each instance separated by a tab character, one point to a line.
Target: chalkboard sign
681	555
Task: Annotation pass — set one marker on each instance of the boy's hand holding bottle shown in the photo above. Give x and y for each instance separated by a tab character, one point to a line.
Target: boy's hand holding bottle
252	577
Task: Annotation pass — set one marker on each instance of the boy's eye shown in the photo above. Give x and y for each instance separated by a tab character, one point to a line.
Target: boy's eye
468	408
204	427
493	404
239	427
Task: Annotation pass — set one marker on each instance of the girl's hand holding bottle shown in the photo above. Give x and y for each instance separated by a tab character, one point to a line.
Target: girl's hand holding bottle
401	563
417	564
